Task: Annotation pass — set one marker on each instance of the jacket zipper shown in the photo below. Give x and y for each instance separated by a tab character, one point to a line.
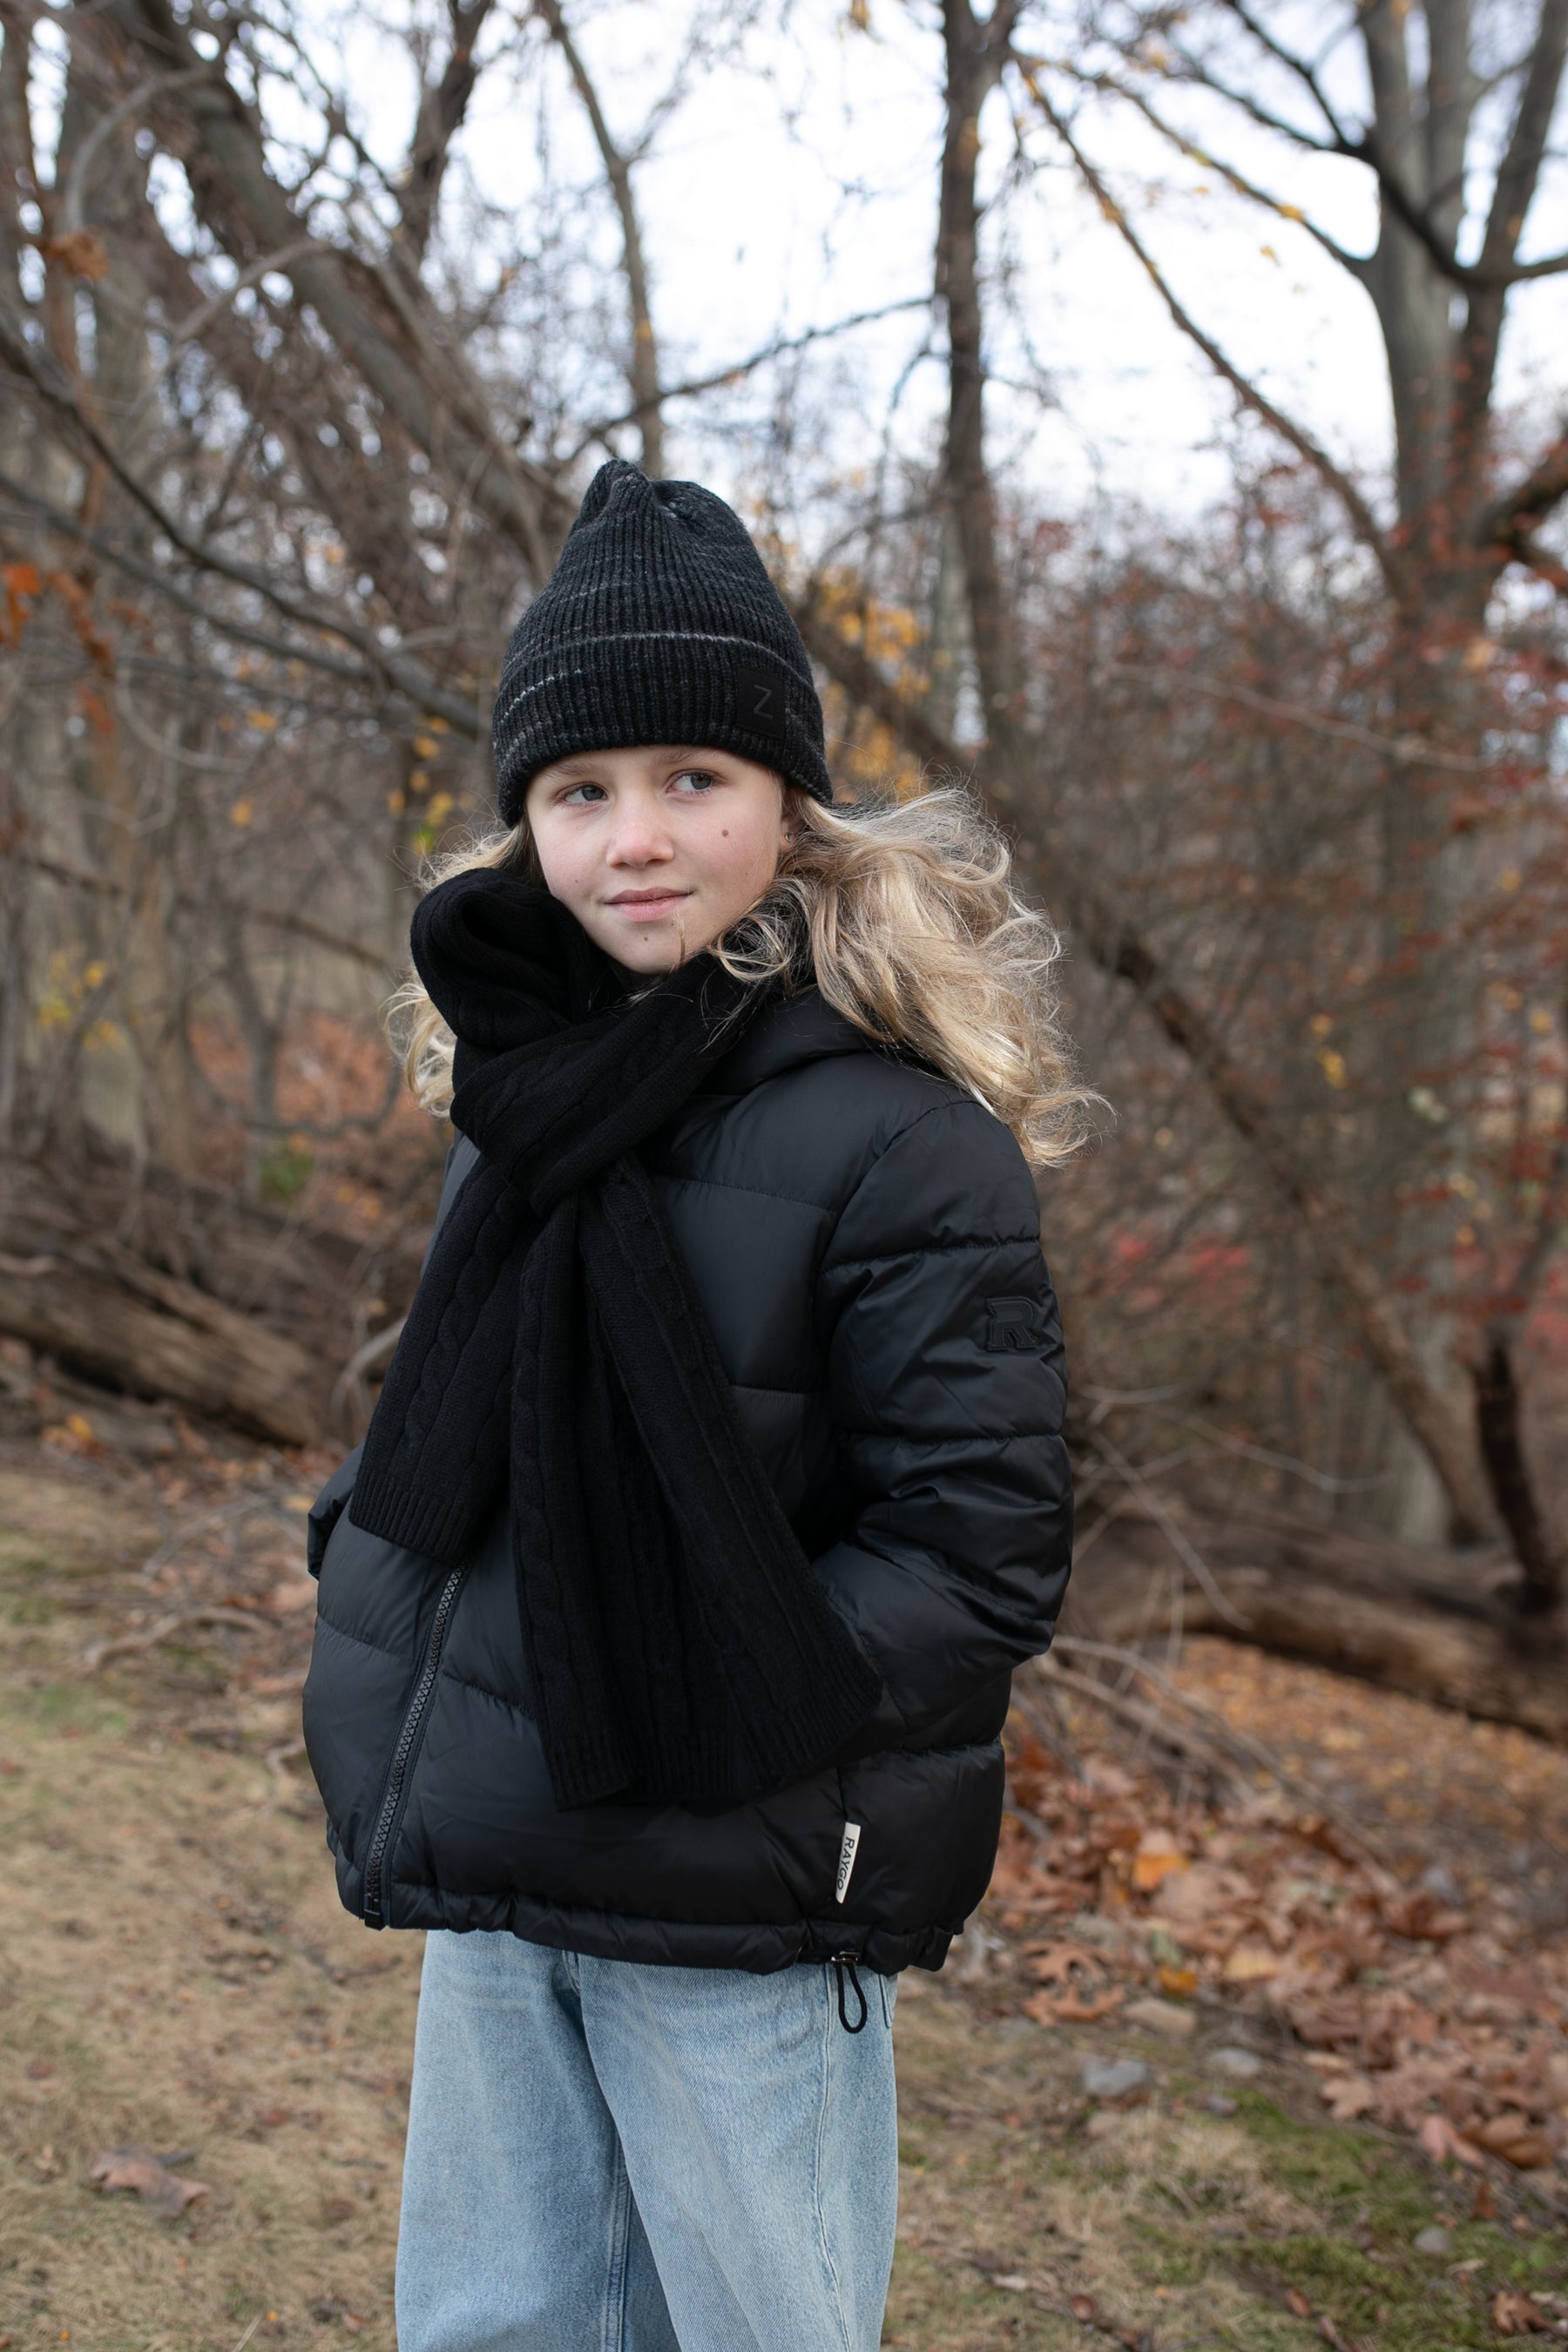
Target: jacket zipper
375	1915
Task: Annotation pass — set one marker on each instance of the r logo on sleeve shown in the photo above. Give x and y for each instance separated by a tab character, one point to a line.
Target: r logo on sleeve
1011	1326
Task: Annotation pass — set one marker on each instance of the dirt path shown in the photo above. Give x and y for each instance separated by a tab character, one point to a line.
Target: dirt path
175	1976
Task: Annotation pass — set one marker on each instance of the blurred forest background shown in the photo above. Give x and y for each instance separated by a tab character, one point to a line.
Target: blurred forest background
312	329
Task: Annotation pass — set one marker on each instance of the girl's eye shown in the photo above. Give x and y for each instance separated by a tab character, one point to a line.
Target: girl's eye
693	780
574	797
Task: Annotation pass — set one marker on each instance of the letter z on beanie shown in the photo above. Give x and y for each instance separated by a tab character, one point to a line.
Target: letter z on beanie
659	624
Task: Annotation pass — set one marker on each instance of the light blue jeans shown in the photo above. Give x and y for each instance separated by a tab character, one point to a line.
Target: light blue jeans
605	2156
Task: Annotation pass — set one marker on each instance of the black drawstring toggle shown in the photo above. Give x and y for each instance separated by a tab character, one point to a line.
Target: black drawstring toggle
841	1962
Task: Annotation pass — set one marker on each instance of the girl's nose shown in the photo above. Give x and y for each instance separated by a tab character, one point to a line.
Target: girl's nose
639	839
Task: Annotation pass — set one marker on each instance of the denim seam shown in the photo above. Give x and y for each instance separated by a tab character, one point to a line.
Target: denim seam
614	2333
822	2237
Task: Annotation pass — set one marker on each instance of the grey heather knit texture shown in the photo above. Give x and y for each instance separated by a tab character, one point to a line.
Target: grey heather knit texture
659	624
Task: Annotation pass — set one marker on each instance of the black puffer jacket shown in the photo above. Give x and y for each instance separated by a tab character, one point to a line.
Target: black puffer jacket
865	1238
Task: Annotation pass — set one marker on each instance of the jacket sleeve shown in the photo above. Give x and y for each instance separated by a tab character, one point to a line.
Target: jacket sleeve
947	1385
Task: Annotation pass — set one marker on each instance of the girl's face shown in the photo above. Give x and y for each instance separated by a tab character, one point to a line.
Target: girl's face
656	850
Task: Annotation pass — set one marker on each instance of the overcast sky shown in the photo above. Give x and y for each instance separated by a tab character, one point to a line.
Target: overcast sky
795	186
779	201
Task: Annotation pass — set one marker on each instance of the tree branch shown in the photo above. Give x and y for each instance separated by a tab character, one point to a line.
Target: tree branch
1507	524
1519	174
1355	264
695	384
1362	147
443	108
642	370
1514	191
408	678
240	202
271	918
1362	520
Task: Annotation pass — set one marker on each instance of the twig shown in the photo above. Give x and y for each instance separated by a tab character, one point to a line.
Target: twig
1051	1733
1146	1720
247	1506
351	1379
124	1645
1238	1747
1172	1529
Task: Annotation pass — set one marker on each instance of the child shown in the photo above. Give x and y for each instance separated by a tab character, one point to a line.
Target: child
667	1611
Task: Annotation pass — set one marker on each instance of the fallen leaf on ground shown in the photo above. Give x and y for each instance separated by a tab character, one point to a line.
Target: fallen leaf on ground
1073	2009
1347	2096
1515	2138
1439	2139
1157	1857
1420	1919
1251	1964
1513	2314
140	2170
1057	1962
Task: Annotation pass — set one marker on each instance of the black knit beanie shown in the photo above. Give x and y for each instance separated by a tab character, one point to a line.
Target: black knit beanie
659	624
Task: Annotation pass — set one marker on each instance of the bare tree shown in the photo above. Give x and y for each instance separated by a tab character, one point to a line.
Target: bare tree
1447	111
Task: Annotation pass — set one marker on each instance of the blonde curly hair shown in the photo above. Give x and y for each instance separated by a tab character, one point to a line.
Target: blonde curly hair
904	916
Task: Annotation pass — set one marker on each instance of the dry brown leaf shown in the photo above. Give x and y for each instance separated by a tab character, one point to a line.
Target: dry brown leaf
78	252
1157	1857
145	2173
1200	1892
1419	1919
1071	2008
1250	1963
1348	2095
1516	2140
1059	1963
1439	2139
1088	2007
1513	2314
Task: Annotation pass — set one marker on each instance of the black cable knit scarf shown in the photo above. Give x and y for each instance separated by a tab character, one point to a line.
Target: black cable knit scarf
680	1645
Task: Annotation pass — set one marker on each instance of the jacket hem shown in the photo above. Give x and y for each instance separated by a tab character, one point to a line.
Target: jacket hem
759	1947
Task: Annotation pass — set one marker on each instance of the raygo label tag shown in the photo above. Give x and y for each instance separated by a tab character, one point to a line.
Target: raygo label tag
847	1853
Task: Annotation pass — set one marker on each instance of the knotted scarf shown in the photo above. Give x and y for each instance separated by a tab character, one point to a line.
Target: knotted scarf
678	1644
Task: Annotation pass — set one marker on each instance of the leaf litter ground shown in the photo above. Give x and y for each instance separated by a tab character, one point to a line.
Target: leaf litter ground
1199	2073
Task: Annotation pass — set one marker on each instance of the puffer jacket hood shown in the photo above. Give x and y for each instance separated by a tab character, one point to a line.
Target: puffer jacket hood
865	1239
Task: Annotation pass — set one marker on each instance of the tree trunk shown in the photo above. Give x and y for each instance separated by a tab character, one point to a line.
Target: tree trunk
115	1318
169	1289
1410	1619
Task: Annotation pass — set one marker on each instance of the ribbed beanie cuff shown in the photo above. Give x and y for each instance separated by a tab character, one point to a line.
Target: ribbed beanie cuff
659	624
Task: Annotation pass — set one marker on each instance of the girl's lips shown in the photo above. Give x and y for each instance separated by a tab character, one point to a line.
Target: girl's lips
646	910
